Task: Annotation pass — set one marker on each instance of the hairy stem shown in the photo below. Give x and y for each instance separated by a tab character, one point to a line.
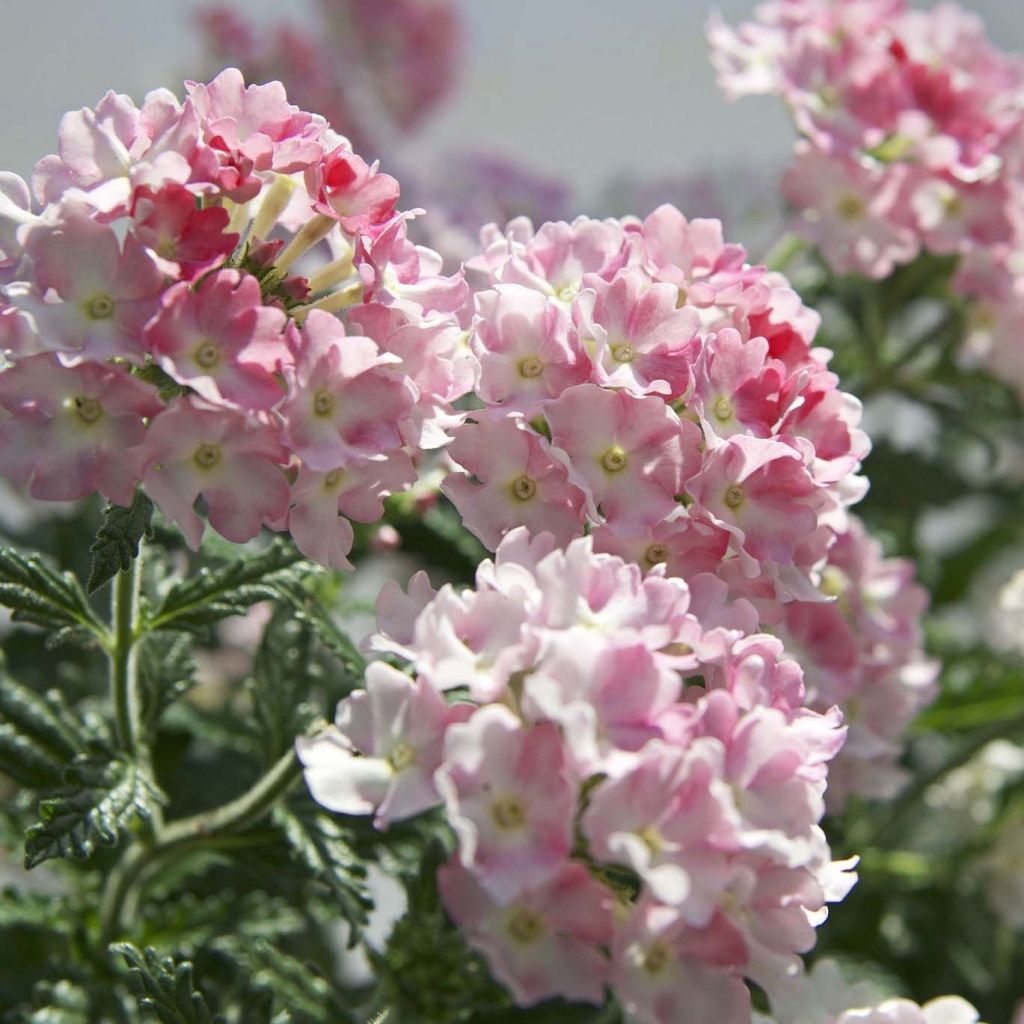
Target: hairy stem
124	689
181	838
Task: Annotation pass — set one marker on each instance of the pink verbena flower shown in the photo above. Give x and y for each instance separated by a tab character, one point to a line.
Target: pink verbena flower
518	483
544	942
220	339
509	799
91	296
629	454
232	459
382	752
343	185
70	429
341	405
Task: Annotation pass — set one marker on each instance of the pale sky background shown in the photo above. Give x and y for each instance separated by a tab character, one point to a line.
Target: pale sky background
584	89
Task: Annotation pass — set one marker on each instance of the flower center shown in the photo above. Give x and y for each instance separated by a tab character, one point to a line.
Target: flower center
530	367
401	757
614	460
655	554
525	925
734	496
657	958
333	479
508	813
207	355
323	403
722	409
207	456
100	307
523	488
652	839
850	207
87	409
623	352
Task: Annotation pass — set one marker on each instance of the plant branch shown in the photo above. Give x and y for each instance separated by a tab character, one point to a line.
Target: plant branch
124	688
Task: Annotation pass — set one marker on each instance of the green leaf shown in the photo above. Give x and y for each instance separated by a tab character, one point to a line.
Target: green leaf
39	735
60	1003
211	594
166	671
298	987
164	987
93	812
41	596
117	541
320	844
284	668
311	611
165	384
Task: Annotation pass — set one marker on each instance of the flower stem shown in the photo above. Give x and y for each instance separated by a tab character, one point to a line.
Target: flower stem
123	671
180	838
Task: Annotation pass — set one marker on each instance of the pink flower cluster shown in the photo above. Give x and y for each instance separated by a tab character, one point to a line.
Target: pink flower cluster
370	66
236	251
912	137
863	652
632	776
641	379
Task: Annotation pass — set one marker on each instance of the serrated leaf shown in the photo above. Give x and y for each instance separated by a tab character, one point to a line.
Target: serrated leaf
167	387
39	735
211	594
320	844
283	670
164	987
42	596
117	541
166	671
297	986
312	612
22	909
77	820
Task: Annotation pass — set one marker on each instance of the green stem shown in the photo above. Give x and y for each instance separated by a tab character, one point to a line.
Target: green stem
124	689
785	250
183	837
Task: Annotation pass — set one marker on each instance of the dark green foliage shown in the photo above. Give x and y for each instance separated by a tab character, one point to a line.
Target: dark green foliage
211	594
117	541
166	671
99	801
164	987
43	597
321	845
39	735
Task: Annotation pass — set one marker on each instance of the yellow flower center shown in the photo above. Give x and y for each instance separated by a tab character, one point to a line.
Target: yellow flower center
851	207
530	367
207	355
206	456
614	460
508	813
655	554
525	926
734	496
100	307
333	479
657	958
323	403
623	352
401	757
87	409
722	409
523	488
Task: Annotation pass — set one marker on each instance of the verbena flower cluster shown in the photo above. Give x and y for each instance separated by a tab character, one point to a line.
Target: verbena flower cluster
632	776
863	651
160	328
912	137
639	378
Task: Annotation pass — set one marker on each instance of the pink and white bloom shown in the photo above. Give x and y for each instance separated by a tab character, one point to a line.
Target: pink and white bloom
509	799
232	459
70	429
220	339
381	754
